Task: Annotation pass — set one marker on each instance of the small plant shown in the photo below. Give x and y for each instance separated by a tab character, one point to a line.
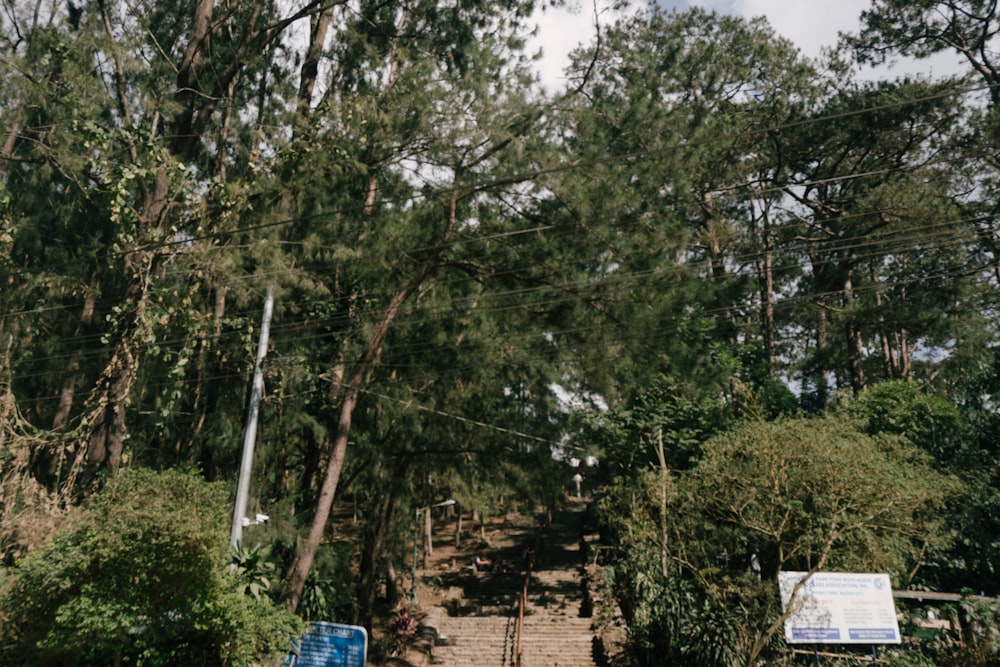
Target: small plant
316	603
404	629
254	568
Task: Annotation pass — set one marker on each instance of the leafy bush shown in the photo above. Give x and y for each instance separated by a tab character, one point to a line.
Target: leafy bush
800	494
140	578
903	408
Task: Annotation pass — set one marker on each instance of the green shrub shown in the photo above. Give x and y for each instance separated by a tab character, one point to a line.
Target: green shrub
140	578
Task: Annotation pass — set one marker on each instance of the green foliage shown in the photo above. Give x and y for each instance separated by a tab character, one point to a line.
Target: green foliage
979	621
805	494
628	436
330	589
678	623
925	27
316	602
704	204
970	639
254	569
820	493
975	561
141	578
930	422
949	435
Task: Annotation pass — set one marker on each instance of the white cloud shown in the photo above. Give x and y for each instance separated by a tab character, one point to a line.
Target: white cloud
562	29
812	25
816	24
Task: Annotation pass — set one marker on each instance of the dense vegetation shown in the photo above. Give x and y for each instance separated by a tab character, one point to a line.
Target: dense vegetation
761	289
139	577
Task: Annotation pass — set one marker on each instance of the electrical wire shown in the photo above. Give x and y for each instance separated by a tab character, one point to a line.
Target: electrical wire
567	291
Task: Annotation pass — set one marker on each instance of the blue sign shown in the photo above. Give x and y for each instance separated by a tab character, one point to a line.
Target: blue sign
812	635
331	645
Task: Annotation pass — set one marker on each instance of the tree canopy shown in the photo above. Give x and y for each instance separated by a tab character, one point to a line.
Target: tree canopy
684	262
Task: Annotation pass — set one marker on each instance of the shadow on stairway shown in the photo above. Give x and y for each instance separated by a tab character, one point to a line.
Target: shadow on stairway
473	615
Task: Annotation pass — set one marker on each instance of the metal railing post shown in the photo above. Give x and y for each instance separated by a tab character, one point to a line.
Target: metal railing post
522	603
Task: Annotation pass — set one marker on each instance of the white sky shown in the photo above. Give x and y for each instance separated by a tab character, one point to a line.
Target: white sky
810	24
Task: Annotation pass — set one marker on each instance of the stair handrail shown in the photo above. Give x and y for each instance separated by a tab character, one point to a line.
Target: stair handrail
529	567
521	604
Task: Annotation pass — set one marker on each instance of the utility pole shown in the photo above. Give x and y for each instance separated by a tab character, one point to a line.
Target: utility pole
250	430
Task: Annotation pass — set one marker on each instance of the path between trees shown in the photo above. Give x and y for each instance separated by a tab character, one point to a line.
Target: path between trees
471	617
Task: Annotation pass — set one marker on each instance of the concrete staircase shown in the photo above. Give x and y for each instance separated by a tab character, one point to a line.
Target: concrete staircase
478	629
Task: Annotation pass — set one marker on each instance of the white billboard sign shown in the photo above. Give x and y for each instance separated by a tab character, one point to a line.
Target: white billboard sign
838	608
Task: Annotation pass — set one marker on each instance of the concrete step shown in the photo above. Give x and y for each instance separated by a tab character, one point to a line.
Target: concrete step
478	630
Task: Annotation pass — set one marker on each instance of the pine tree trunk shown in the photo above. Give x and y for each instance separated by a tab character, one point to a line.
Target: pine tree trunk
304	561
68	392
765	271
853	334
373	550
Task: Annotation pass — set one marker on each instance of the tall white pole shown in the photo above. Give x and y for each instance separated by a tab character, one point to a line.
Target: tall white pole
250	431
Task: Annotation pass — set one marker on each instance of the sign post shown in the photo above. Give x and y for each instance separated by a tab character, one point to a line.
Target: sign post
331	645
838	608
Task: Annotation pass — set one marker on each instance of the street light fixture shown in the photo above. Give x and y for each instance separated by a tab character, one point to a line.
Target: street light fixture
416	530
